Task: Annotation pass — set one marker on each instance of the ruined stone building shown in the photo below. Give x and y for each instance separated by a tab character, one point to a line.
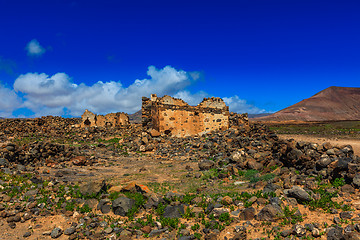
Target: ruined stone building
177	118
118	119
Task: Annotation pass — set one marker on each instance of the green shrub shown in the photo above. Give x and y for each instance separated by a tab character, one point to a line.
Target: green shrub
139	201
338	182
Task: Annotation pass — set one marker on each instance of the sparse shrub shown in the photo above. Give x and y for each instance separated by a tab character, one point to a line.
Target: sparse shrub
195	227
289	216
139	201
197	235
188	213
84	209
338	182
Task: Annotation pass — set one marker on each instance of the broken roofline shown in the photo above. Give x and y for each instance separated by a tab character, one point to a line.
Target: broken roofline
212	103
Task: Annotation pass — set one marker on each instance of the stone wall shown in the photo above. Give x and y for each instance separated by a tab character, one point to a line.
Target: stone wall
174	116
90	119
239	120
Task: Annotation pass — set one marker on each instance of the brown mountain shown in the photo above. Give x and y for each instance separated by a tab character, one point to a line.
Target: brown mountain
331	104
135	117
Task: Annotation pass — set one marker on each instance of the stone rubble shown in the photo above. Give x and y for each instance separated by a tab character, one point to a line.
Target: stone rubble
287	173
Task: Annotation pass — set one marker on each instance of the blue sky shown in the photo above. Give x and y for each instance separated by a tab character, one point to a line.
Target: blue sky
60	57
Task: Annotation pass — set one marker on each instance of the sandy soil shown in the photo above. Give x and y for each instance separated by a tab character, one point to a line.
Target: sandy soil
355	143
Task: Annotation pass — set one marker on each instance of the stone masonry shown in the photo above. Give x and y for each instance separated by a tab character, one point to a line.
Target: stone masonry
173	116
118	119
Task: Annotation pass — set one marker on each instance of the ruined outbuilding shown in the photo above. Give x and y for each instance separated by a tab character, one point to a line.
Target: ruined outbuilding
173	116
118	119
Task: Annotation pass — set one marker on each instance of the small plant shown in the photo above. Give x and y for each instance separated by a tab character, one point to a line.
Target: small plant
325	202
170	222
70	206
197	235
187	198
188	213
84	209
272	168
249	174
114	195
289	216
338	182
225	217
212	173
160	209
195	227
139	201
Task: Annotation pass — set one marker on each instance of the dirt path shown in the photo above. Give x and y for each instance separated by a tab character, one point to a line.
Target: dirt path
355	143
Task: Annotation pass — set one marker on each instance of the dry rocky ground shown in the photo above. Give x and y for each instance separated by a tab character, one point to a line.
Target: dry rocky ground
61	181
335	140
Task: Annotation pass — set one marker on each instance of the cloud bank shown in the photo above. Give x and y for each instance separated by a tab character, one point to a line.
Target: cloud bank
59	95
34	48
9	101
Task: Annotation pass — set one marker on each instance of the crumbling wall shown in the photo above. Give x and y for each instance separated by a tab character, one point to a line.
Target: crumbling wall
118	119
174	116
239	120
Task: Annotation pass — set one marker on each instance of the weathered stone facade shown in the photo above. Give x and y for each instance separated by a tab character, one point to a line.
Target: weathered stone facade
90	119
174	116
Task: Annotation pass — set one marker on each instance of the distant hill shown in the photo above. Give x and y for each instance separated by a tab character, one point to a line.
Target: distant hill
135	117
258	115
331	104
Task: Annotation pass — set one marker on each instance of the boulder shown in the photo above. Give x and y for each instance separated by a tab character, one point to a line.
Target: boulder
173	211
299	194
92	188
122	205
206	165
247	214
270	212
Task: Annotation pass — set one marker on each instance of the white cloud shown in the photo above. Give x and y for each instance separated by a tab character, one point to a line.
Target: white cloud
9	101
191	99
241	106
57	94
44	93
235	103
34	48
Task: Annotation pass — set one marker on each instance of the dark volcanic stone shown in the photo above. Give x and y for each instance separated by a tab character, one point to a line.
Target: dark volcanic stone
156	232
247	214
92	188
270	212
299	194
345	215
69	231
4	162
336	234
356	179
323	162
270	187
173	211
343	163
347	188
352	236
294	154
56	232
122	205
206	165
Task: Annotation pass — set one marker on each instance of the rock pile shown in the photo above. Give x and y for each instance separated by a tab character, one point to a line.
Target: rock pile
277	183
37	153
